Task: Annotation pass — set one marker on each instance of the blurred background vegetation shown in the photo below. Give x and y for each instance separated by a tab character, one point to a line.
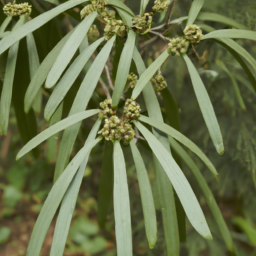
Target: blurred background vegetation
25	184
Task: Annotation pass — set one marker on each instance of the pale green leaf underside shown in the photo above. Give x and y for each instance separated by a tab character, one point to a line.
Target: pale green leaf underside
5	24
53	200
206	191
205	106
182	139
179	182
194	10
231	33
121	204
69	202
123	68
80	103
121	5
54	129
69	50
146	197
68	79
36	23
42	72
148	74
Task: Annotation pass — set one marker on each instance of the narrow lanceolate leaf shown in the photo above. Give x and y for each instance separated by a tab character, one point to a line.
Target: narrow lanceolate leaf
69	50
181	138
194	10
206	192
6	96
53	200
123	68
143	5
146	197
231	33
234	83
42	72
121	5
149	73
69	121
167	202
125	16
34	64
36	23
121	204
80	103
179	182
68	79
210	16
52	142
205	106
5	24
106	184
69	202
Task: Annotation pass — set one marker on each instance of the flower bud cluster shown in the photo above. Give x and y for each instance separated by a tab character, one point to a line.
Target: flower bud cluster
115	27
159	82
132	80
100	7
107	110
93	32
131	109
193	34
177	46
13	9
160	6
142	23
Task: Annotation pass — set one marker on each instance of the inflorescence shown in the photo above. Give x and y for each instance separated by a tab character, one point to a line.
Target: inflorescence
193	34
177	46
13	9
132	80
142	23
160	6
159	82
114	128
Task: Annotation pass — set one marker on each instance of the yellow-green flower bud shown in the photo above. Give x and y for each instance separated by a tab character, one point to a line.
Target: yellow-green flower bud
193	34
159	82
93	32
13	9
160	6
131	109
142	23
115	27
132	80
178	46
107	110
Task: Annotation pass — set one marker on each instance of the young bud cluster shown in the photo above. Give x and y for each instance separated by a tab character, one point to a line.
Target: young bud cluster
13	9
115	27
160	6
107	110
159	82
93	32
193	34
142	23
132	80
131	109
178	46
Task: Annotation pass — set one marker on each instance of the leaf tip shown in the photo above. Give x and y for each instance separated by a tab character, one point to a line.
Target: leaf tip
220	148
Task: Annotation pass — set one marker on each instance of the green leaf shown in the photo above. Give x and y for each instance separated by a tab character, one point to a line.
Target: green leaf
68	203
80	103
42	72
179	182
126	17
182	139
5	24
6	96
5	233
163	184
146	197
123	68
69	49
36	23
235	85
53	1
52	142
194	10
206	192
119	4
121	204
34	64
68	79
205	106
148	74
53	200
69	121
231	33
143	5
106	184
247	228
209	16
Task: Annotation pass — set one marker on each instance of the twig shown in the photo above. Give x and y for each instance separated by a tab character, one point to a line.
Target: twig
105	88
159	34
171	13
109	78
148	42
193	47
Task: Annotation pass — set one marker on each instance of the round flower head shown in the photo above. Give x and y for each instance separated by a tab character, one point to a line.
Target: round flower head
114	27
131	109
193	34
132	80
142	23
13	9
159	82
107	110
177	46
160	6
